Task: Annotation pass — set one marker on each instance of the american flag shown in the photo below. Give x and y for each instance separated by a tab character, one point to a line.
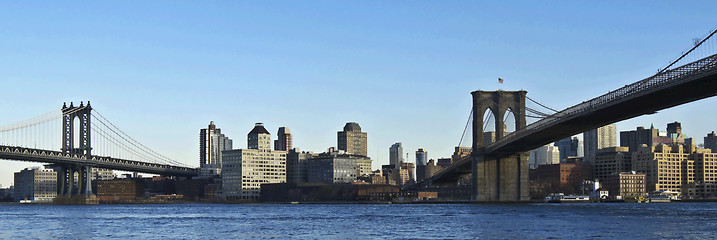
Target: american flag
500	80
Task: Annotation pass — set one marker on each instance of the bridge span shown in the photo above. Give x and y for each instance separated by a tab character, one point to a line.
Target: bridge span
509	181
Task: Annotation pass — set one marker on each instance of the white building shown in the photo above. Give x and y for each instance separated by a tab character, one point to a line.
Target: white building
596	139
36	185
544	155
244	170
211	144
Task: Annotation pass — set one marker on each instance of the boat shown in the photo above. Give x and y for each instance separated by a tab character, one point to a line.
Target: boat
562	198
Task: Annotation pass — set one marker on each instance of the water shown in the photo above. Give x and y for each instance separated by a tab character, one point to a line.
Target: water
360	221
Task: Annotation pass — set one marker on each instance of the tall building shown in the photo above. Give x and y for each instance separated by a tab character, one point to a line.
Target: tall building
674	133
353	140
711	142
611	161
421	161
259	138
667	168
602	137
211	144
36	185
245	170
569	147
395	156
635	139
705	182
544	155
284	141
406	173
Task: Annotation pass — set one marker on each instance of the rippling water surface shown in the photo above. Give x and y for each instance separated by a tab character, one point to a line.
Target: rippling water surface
360	221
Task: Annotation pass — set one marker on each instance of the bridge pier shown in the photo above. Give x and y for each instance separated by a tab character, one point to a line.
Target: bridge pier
500	179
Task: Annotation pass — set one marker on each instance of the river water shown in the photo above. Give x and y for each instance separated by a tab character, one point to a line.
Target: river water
361	221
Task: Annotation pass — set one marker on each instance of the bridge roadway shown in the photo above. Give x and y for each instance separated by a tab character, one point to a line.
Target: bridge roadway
46	156
690	82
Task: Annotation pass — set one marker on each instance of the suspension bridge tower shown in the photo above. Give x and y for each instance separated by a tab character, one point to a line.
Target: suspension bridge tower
501	179
69	189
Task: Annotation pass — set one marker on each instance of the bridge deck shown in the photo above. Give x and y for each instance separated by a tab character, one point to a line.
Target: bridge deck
46	156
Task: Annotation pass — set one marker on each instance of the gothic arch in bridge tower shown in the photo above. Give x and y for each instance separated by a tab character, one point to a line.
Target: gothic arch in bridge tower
499	103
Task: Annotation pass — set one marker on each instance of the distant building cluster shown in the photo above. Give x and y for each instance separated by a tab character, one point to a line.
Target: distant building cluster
647	161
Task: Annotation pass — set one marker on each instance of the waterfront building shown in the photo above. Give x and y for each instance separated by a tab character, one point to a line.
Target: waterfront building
705	178
353	140
421	161
245	170
211	144
283	143
667	168
544	155
296	166
562	177
396	155
569	147
334	167
625	184
120	190
364	165
611	161
35	184
596	139
711	141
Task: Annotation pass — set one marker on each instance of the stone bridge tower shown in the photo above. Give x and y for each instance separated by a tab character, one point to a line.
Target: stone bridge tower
503	179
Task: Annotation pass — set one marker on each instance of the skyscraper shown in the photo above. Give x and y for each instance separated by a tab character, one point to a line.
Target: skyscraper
711	141
602	137
635	139
284	141
259	138
544	155
421	161
569	147
396	155
352	140
211	144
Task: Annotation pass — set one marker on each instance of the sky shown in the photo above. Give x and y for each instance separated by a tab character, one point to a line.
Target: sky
404	70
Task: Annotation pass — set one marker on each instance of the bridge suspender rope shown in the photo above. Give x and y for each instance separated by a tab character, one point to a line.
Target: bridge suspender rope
688	52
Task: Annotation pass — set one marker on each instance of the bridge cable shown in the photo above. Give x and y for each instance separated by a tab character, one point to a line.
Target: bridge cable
536	102
688	52
138	143
470	116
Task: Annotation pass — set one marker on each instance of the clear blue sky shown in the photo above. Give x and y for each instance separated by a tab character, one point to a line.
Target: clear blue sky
403	70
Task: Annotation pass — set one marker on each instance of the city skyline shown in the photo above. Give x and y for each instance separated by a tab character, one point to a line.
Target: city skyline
148	72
